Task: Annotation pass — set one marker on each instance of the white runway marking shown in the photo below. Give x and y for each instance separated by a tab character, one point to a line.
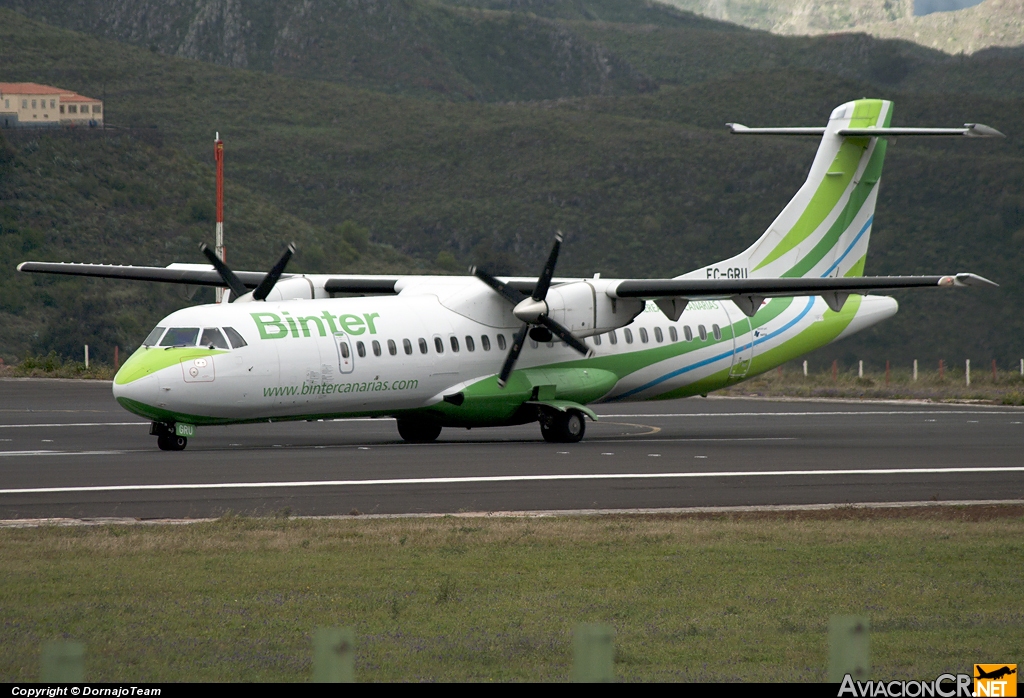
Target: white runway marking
76	424
61	453
506	478
864	413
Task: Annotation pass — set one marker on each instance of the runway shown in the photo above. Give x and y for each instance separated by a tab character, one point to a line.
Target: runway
68	450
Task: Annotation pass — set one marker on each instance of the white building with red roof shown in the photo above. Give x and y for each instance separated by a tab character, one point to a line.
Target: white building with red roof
27	104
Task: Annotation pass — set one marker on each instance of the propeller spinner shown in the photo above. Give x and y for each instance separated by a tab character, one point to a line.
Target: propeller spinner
238	289
533	311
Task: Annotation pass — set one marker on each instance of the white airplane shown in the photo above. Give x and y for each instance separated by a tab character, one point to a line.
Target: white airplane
476	351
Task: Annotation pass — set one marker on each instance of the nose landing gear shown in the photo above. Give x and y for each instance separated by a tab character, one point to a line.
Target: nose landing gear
166	438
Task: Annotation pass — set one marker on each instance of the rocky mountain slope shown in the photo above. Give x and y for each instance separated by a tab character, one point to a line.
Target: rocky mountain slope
991	23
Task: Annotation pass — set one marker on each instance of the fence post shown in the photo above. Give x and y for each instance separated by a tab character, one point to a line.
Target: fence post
1022	368
887	372
942	370
860	369
995	374
87	356
835	370
848	650
117	362
805	367
334	655
967	372
915	370
594	653
63	662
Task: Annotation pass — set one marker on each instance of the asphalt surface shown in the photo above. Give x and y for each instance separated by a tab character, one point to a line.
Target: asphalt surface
68	450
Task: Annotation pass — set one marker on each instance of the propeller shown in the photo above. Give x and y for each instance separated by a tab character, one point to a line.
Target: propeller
533	311
238	289
233	282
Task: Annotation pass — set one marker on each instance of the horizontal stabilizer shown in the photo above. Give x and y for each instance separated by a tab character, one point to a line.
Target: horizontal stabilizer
969	130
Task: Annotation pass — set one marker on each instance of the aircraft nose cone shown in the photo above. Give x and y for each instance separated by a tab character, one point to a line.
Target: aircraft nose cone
136	394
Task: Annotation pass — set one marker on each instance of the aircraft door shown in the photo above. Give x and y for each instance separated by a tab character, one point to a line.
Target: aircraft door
346	356
742	344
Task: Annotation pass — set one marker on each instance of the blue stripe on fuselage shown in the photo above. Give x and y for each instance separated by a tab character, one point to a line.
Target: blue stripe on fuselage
719	357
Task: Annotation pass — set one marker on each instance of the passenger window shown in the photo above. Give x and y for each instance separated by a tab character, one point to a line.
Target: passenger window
423	345
376	348
213	338
153	337
551	344
407	345
702	332
628	335
717	331
501	342
235	338
438	345
392	347
687	333
180	337
613	338
643	335
597	340
658	336
360	349
344	350
672	334
470	345
455	343
533	344
485	342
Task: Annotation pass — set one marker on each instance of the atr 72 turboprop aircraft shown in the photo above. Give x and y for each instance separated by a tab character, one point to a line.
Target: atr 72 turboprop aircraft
475	351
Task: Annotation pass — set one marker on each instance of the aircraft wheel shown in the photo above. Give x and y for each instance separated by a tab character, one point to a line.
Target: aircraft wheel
418	432
566	428
171	442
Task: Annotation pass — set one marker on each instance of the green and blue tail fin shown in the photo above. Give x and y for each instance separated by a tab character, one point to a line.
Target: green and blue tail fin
824	230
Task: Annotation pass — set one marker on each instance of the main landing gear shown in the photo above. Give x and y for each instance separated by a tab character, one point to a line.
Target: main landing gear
417	432
563	427
166	438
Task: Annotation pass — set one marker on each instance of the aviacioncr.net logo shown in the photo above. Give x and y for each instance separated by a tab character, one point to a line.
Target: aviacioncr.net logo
945	686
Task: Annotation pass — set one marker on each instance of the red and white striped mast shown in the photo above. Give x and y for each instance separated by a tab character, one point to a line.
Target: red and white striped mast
218	156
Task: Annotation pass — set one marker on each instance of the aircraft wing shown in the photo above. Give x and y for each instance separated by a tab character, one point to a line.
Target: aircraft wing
204	275
769	287
190	274
748	294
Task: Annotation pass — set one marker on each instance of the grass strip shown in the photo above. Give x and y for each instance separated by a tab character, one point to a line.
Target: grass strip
740	597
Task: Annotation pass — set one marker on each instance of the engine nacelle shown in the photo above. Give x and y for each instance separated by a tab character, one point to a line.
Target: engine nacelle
586	310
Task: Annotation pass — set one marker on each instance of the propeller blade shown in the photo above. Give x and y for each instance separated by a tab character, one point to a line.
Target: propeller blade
544	282
565	335
510	294
265	287
233	282
513	354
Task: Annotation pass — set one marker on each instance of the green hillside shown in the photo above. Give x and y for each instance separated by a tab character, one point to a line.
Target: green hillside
643	184
125	198
512	50
414	47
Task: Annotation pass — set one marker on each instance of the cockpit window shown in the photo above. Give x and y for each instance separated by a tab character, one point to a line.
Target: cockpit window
153	337
236	339
180	337
213	338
